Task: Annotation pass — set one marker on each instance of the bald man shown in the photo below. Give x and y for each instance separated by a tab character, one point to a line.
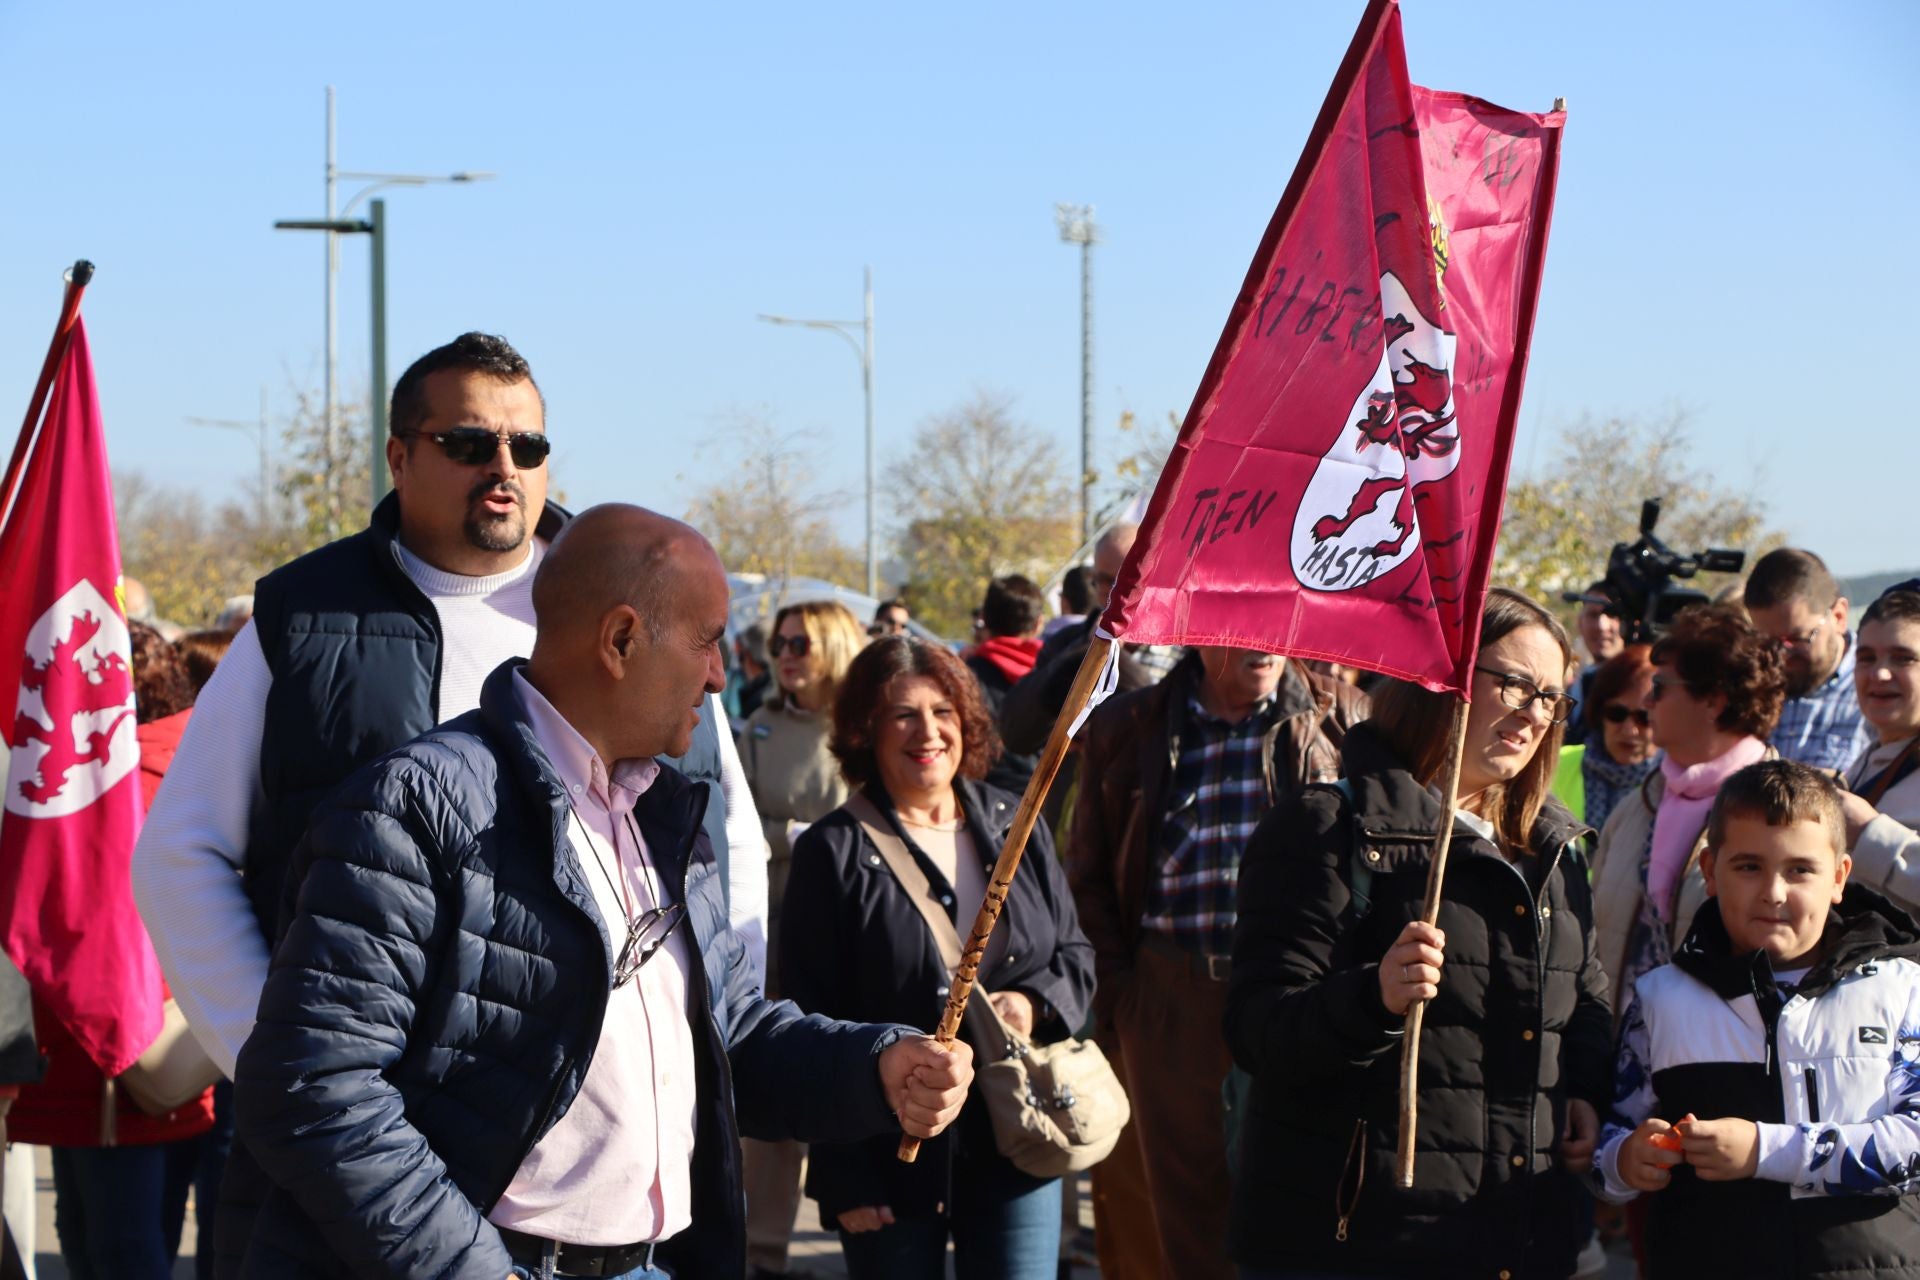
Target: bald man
507	1030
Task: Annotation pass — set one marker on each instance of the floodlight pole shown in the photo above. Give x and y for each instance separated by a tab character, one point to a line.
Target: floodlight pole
1078	227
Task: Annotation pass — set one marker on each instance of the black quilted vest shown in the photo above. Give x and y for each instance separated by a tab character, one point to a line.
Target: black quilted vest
354	648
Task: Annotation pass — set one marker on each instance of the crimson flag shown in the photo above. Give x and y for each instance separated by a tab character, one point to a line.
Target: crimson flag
1337	485
72	808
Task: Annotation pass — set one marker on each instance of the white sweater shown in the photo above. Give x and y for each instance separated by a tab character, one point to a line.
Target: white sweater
1886	857
187	863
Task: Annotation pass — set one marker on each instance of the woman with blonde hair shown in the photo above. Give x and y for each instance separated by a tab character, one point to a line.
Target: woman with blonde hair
794	779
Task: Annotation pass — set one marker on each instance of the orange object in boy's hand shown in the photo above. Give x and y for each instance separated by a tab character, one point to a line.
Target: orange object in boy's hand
1645	1159
1668	1141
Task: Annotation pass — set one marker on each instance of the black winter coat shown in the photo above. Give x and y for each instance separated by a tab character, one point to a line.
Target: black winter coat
1521	1023
853	945
437	995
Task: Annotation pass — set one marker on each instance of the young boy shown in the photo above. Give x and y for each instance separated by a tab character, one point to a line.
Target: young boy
1769	1078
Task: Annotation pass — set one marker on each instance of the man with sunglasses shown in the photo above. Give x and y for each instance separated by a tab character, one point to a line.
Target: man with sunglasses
353	650
507	1027
1792	597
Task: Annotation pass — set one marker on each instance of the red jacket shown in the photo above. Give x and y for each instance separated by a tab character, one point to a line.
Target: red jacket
63	1110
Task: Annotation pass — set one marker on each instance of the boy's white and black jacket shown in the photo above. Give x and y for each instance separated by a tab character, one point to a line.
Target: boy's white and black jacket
1828	1070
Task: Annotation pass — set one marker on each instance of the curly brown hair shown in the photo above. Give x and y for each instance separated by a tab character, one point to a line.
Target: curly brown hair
862	698
161	686
1714	649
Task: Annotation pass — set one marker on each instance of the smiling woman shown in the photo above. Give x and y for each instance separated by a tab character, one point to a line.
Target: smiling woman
913	738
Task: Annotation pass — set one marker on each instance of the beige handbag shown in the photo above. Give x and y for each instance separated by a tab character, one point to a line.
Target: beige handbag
1056	1108
173	1071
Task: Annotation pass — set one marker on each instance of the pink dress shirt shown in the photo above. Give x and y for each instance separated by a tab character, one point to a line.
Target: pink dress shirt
616	1169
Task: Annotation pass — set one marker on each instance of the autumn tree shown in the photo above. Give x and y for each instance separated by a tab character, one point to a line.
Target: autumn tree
1144	450
1562	523
325	477
192	551
769	517
191	557
978	494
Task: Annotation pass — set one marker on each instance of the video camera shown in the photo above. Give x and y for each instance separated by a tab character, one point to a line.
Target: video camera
1639	588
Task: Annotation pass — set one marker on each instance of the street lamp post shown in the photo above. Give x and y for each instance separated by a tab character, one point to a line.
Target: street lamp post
374	225
376	181
1077	227
258	430
863	350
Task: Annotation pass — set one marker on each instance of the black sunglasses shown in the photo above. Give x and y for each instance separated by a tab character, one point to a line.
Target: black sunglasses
645	936
1617	714
471	446
801	645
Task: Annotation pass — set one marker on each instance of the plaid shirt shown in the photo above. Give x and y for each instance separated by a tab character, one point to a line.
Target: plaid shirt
1825	729
1219	795
1158	659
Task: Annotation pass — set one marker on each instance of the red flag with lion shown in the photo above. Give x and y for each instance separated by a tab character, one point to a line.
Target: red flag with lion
72	804
1337	486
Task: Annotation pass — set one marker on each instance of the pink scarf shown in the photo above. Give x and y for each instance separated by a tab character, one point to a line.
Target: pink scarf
1682	815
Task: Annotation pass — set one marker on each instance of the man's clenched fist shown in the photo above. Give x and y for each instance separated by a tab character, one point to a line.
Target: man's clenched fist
925	1082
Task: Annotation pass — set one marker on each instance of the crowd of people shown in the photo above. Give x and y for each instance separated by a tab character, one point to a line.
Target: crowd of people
539	923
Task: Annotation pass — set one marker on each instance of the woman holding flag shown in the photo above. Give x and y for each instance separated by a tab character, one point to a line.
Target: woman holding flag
1330	953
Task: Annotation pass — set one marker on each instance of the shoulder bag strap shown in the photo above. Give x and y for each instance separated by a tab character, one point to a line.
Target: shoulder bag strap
1902	765
907	871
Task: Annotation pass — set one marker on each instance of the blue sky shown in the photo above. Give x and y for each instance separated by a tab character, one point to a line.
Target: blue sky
1733	231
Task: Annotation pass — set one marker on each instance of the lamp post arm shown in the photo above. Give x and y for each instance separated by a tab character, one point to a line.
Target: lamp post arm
845	328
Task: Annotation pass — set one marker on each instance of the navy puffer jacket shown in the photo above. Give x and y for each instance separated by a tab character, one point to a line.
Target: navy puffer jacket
435	1001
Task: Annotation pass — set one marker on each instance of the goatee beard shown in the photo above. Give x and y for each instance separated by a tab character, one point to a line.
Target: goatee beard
503	532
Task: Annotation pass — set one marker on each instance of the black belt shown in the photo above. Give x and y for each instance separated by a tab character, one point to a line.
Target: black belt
575	1259
1209	968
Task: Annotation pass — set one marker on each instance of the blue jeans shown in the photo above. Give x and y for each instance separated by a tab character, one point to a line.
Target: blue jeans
997	1235
215	1143
118	1210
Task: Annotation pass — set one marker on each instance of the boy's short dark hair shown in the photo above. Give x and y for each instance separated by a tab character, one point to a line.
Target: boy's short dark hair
1896	605
1779	793
1013	607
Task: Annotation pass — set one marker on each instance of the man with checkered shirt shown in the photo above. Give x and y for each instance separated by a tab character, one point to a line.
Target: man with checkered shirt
1173	780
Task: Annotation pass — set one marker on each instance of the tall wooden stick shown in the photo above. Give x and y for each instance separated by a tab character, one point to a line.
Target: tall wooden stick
1436	873
1003	871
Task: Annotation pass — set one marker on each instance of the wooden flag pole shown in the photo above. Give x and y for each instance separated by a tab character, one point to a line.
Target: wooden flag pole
1436	873
1003	871
78	278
